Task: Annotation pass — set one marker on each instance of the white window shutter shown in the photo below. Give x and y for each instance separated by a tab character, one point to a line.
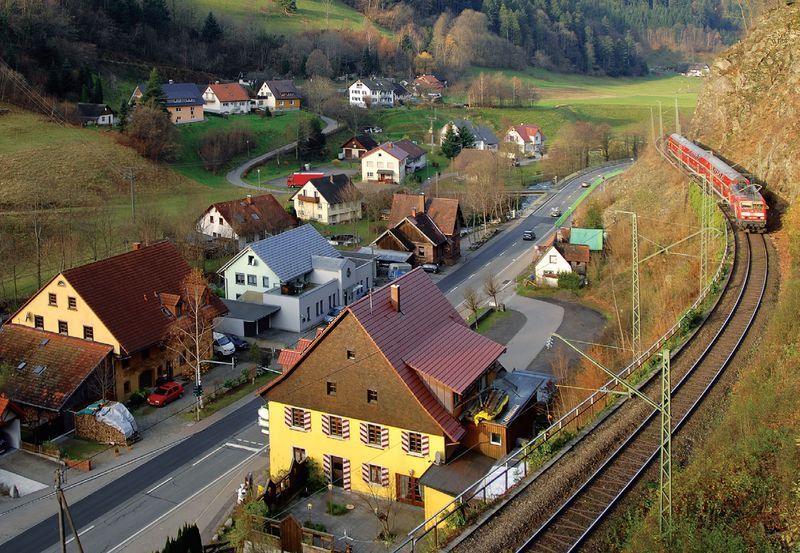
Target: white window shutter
384	437
307	421
326	425
287	416
405	439
326	467
346	429
365	472
364	432
425	445
384	477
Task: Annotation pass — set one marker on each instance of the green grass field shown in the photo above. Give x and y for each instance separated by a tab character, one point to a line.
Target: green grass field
270	132
310	15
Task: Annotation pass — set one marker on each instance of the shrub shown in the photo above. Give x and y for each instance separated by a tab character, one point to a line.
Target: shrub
690	320
257	507
569	281
230	383
336	509
137	398
315	526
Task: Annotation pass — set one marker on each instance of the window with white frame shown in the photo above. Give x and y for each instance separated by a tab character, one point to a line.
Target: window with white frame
239	278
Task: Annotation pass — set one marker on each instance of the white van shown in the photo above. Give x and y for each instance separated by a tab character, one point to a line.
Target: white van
398	269
223	345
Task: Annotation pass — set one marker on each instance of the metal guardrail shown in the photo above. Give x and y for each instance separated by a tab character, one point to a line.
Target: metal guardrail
481	487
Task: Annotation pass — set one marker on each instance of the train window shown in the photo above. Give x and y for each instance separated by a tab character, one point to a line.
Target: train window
747	205
758	206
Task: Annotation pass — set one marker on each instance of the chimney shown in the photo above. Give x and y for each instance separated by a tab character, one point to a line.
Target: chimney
171	81
394	290
413	211
249	199
331	179
137	246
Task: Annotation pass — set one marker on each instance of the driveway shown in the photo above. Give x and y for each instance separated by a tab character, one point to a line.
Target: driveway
235	175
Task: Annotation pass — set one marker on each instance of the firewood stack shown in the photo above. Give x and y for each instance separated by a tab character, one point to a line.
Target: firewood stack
88	427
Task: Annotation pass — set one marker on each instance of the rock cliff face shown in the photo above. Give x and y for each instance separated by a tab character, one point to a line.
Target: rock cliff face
749	110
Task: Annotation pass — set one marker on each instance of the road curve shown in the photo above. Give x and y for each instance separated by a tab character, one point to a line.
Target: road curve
234	176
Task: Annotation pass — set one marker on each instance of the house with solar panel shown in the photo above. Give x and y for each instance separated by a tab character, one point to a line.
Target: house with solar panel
398	397
298	275
184	101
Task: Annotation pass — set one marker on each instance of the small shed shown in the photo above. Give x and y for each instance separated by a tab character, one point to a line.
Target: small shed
591	237
244	318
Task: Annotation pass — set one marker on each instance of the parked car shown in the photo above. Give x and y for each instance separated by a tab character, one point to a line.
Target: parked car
222	345
584	184
528	235
555	212
238	343
332	314
166	393
431	268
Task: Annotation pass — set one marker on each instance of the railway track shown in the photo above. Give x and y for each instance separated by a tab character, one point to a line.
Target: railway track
574	521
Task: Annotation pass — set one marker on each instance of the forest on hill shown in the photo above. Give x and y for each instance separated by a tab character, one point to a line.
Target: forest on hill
61	46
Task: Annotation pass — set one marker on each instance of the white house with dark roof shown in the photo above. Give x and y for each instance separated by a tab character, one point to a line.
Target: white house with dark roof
485	139
391	162
277	96
366	93
298	272
329	200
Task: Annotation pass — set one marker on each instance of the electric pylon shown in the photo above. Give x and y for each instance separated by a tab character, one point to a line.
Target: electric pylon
665	497
636	321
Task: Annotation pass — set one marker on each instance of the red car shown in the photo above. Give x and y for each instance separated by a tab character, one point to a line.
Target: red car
166	393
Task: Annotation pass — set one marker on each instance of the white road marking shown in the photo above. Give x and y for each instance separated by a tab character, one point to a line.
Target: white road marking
184	502
206	456
472	275
453	289
240	446
151	490
82	532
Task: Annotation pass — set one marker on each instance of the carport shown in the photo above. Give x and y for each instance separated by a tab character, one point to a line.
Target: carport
10	416
245	319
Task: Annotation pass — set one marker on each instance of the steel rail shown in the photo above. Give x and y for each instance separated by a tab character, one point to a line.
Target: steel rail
630	442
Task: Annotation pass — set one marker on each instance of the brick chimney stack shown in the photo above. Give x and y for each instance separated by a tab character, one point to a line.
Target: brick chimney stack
394	290
413	211
137	246
249	199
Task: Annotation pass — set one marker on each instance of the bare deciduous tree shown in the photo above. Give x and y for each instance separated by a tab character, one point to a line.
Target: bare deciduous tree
473	302
380	501
491	287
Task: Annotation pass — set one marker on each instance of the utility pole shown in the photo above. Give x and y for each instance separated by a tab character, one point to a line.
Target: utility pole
132	178
636	321
660	122
653	128
677	117
665	497
705	221
665	408
63	509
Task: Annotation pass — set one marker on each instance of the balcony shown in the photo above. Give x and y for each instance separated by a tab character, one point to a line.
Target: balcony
308	199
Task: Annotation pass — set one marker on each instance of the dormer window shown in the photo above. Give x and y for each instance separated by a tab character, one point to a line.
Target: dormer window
251	260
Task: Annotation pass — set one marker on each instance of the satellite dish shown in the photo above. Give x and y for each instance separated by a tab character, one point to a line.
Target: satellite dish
437	458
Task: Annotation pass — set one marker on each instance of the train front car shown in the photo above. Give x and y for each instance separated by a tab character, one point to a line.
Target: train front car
748	206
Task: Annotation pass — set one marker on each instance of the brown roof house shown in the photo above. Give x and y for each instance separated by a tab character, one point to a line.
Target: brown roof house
245	220
429	228
357	146
52	374
226	98
130	302
557	258
392	387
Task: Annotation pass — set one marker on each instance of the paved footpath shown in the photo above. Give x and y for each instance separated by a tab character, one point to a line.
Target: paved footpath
235	175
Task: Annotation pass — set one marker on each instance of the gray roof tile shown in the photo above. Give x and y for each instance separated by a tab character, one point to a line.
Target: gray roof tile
289	254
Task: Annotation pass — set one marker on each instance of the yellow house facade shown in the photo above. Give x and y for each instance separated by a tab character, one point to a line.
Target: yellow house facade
353	454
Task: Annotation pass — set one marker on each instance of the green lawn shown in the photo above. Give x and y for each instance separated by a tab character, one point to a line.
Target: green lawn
76	448
270	132
228	398
310	16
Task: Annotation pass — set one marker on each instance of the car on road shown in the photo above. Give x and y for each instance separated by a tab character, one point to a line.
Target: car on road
238	343
555	212
166	393
584	184
431	268
222	345
332	314
528	235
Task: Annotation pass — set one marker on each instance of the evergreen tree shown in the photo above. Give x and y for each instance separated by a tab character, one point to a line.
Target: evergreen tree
97	90
289	6
155	14
84	94
211	32
451	145
122	115
153	94
312	142
466	139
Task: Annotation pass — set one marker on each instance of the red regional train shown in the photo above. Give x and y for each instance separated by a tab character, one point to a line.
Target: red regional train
743	197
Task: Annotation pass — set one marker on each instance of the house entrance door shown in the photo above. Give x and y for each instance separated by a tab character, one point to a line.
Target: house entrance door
408	490
337	471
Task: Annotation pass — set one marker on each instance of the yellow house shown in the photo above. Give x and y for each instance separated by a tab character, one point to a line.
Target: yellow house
184	101
375	399
129	301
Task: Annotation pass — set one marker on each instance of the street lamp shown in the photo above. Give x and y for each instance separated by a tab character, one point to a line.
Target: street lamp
247	141
259	176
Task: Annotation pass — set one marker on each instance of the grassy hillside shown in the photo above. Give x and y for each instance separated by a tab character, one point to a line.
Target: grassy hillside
310	15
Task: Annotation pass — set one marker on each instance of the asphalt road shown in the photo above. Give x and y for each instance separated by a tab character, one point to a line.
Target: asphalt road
506	248
113	518
112	525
